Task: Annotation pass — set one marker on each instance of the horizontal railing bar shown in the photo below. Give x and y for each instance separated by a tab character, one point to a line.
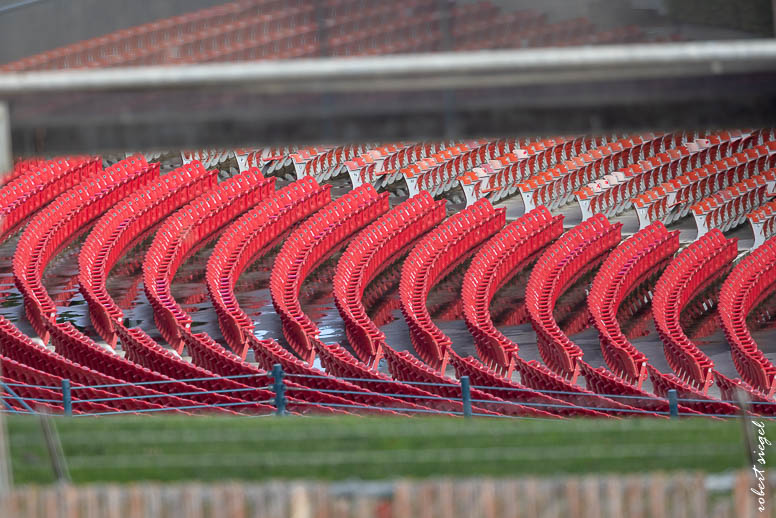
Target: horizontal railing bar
172	409
552	405
420	71
161	382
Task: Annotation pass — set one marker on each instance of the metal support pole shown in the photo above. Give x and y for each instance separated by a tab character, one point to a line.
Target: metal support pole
466	395
673	403
54	446
67	400
6	155
279	388
746	427
6	476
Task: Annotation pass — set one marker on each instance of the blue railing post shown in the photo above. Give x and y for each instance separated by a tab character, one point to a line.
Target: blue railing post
279	388
466	396
673	404
67	399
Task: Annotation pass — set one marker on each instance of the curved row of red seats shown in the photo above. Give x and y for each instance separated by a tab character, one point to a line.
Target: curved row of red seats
302	397
143	36
489	381
23	167
309	245
555	186
77	347
672	200
269	353
434	256
730	390
397	160
542	154
143	350
537	376
728	208
695	400
686	276
444	176
603	381
244	239
557	269
763	221
118	228
332	162
370	252
27	193
405	367
506	252
747	285
630	264
339	362
46	399
662	167
35	379
59	223
18	347
182	232
304	394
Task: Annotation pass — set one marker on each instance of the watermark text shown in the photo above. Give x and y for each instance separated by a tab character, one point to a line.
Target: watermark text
759	464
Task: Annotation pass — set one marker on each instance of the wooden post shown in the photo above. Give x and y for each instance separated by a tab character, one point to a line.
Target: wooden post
58	464
6	475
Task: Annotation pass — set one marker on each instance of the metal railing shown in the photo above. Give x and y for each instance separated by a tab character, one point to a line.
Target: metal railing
70	404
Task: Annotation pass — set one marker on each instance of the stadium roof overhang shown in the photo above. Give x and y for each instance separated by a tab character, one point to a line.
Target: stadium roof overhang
450	95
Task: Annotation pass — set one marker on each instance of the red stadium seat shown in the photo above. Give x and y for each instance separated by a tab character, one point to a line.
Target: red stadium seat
182	232
254	232
115	232
60	222
673	199
630	264
434	256
557	269
309	245
372	250
506	252
750	282
686	277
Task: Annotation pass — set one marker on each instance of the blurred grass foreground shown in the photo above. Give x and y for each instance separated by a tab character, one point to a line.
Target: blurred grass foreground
129	449
364	467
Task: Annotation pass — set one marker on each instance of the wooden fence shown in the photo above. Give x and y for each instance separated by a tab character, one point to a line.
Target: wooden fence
641	496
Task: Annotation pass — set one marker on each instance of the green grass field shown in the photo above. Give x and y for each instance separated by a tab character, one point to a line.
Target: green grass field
208	448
